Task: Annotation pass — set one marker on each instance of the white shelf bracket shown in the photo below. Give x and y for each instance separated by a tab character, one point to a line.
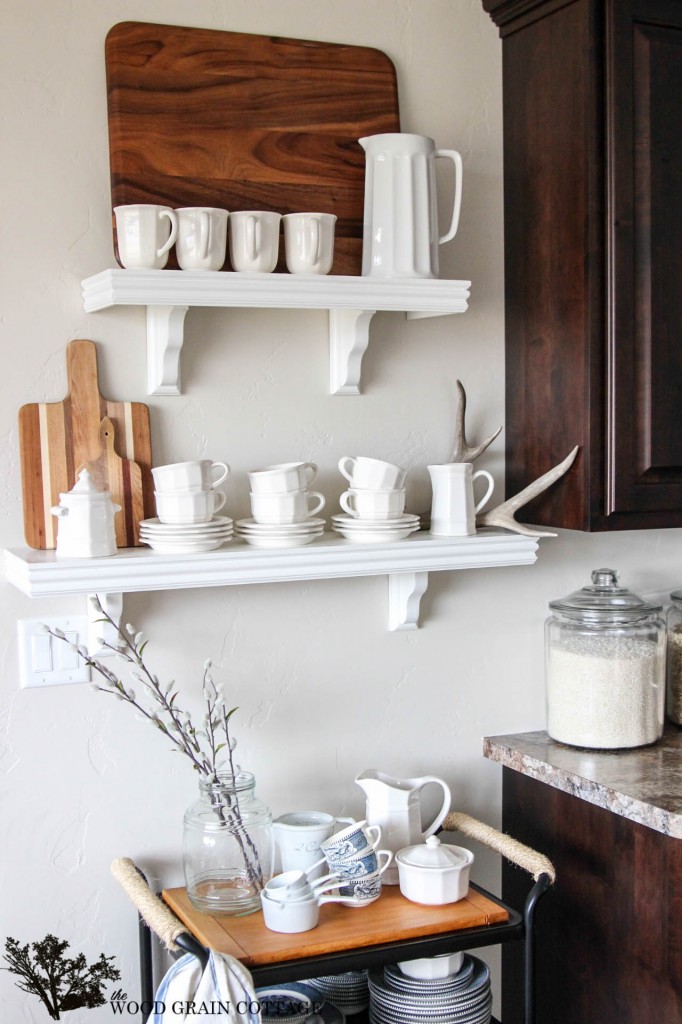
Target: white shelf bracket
348	340
165	335
99	630
405	591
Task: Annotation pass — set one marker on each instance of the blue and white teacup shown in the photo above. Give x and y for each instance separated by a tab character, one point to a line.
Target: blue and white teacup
357	838
363	865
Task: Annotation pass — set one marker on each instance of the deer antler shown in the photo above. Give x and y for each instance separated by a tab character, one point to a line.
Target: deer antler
462	452
503	515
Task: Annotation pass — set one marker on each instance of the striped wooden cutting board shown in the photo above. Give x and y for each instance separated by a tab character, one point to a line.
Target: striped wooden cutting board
58	438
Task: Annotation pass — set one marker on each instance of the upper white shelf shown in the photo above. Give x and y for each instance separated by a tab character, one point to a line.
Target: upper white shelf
351	301
406	563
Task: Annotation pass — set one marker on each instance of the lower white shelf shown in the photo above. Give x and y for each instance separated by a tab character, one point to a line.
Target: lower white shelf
406	563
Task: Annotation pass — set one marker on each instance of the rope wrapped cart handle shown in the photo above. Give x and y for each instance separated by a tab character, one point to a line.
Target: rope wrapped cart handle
530	860
158	916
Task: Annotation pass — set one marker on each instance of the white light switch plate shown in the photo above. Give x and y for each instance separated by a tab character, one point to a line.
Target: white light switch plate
45	660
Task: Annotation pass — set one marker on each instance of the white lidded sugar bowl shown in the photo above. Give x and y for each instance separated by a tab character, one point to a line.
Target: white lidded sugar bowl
605	667
86	521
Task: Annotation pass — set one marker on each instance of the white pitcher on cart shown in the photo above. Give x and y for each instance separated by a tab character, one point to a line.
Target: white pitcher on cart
400	232
393	804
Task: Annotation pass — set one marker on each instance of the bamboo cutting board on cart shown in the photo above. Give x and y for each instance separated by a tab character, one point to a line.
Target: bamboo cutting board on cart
199	117
57	439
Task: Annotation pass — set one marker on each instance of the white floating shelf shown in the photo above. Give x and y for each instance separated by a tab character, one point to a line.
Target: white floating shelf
351	301
406	563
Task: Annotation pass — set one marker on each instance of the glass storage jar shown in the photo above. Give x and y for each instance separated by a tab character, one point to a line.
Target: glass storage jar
605	667
228	845
674	673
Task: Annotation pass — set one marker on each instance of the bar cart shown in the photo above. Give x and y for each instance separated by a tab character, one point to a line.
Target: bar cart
391	929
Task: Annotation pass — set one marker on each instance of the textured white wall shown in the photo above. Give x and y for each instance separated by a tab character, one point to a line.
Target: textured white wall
324	690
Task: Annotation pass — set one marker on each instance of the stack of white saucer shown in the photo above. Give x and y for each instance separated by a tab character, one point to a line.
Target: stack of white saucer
374	504
186	538
283	507
187	502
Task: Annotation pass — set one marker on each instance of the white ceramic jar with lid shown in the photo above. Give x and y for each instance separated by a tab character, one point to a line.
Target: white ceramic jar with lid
605	667
433	872
86	521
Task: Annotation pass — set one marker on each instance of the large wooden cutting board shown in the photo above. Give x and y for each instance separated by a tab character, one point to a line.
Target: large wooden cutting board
58	438
199	117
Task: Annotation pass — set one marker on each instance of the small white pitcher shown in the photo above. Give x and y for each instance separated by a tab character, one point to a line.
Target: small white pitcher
453	513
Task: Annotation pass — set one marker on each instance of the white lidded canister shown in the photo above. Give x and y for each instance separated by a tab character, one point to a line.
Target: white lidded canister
605	667
86	521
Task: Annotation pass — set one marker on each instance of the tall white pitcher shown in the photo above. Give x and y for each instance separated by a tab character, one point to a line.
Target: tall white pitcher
400	231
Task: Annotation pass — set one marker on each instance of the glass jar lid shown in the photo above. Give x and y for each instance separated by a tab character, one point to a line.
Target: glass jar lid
605	601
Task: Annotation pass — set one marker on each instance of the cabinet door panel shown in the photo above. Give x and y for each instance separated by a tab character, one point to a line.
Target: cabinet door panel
644	342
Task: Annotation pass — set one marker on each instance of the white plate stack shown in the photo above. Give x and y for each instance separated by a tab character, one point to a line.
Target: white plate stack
369	531
461	998
279	535
186	538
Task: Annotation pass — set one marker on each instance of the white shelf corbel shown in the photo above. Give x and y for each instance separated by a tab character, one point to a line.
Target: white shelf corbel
405	591
351	301
165	337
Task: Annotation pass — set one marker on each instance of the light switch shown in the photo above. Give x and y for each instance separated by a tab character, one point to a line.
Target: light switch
41	652
46	660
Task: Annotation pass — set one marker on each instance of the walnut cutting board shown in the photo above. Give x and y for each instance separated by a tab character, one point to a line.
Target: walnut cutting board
58	438
199	117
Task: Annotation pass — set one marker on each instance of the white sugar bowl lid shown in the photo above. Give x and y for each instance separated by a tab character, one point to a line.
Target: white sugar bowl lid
434	854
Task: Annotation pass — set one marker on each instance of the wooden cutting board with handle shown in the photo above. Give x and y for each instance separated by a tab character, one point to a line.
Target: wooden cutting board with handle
124	479
57	439
199	117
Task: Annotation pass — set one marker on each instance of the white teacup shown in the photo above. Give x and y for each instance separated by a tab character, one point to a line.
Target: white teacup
202	237
143	236
351	841
188	506
368	504
199	475
453	512
285	476
254	240
309	242
292	507
298	836
371	474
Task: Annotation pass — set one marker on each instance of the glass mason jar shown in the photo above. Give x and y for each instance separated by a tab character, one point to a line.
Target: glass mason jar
228	845
605	667
674	675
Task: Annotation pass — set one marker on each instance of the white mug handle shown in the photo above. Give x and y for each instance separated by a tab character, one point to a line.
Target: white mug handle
311	472
251	238
315	247
491	485
345	503
204	233
320	503
173	218
452	154
225	470
348	473
389	858
219	500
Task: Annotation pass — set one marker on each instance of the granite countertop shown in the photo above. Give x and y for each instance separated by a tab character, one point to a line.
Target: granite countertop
644	785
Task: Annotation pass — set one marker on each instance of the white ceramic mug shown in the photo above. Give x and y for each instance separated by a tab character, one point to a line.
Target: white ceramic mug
198	475
309	242
453	513
361	504
143	236
202	237
371	474
188	506
254	240
285	476
298	836
292	507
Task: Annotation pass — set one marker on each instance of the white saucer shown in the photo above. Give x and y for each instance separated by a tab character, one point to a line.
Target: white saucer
375	536
187	547
380	525
285	529
293	540
155	526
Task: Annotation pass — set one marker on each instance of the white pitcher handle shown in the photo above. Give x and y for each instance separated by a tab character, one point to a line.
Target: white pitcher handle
172	217
452	154
491	485
445	809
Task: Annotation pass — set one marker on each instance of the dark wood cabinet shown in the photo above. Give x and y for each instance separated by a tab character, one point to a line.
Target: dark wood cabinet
608	937
593	256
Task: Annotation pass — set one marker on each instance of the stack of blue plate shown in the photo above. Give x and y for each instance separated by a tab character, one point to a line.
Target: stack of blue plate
461	998
349	992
